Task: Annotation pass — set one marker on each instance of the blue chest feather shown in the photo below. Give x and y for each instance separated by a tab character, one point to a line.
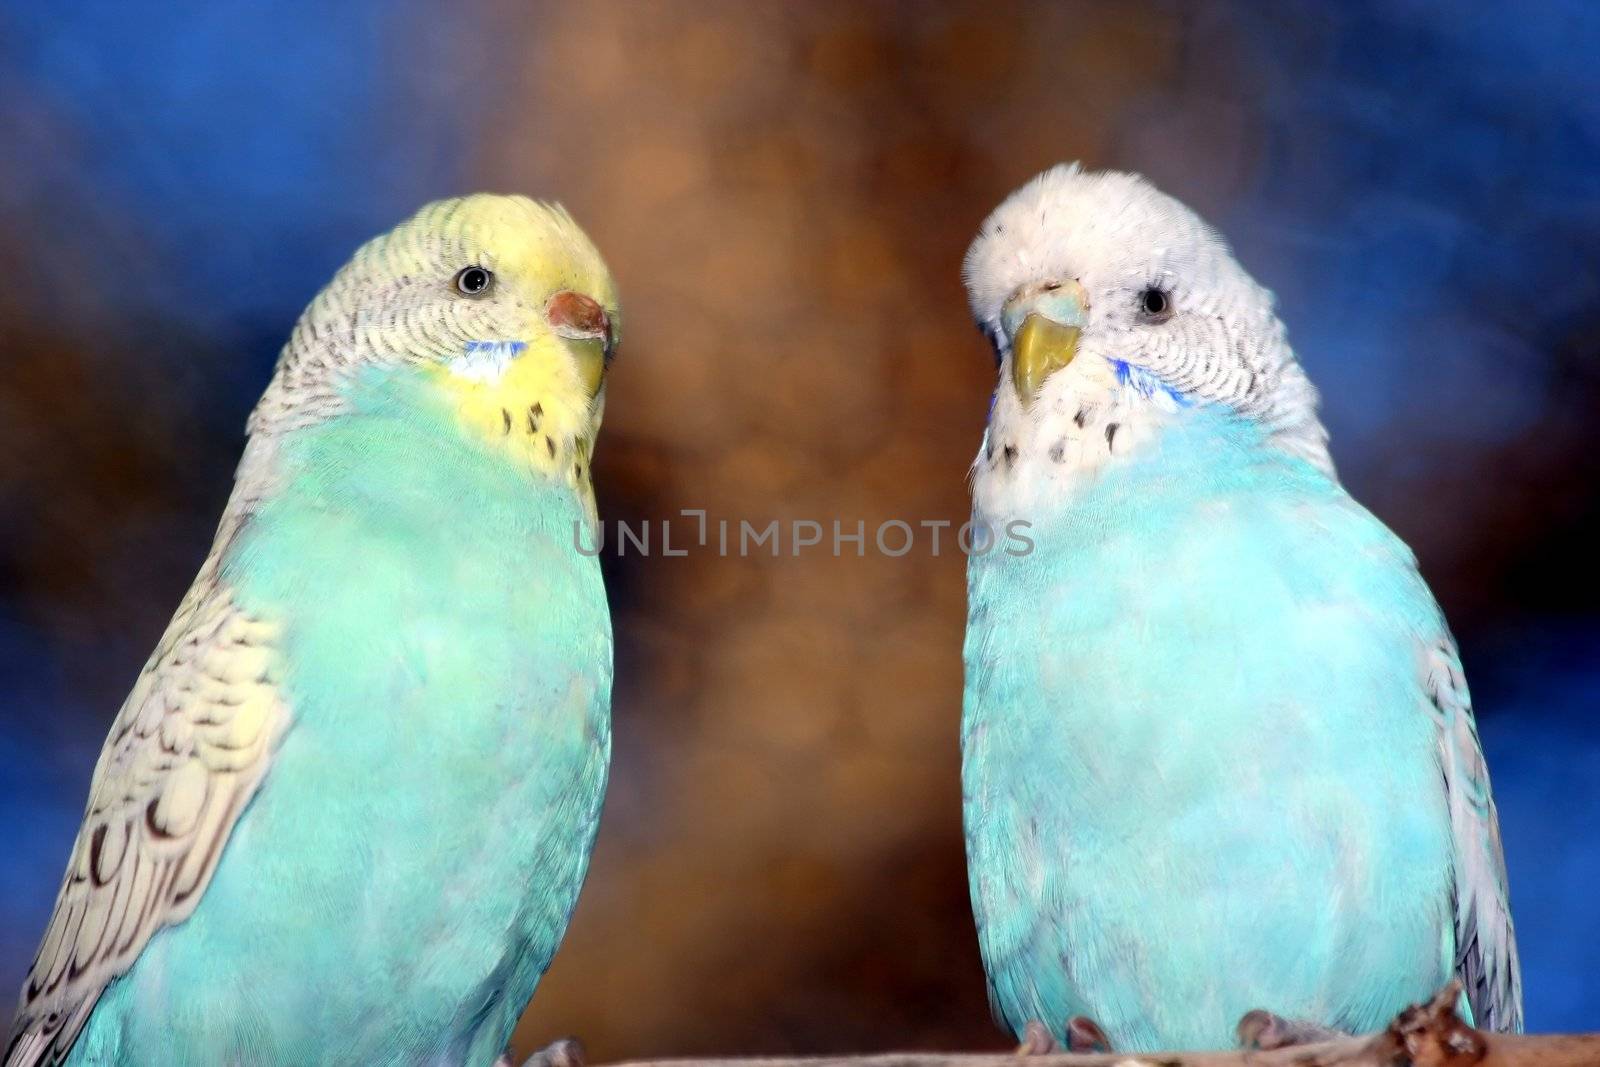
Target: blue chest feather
1199	772
403	877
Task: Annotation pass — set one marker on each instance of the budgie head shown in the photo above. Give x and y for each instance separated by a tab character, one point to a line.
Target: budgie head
496	310
1114	311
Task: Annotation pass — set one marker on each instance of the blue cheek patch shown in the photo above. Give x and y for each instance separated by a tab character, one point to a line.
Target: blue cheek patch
509	349
1146	384
486	361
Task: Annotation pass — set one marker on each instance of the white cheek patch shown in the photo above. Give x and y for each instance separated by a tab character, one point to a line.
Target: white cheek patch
1035	458
486	361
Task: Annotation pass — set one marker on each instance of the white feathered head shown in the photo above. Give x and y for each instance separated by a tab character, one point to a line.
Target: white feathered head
1100	293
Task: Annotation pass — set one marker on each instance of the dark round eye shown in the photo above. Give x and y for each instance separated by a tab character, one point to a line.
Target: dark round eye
1155	305
474	281
1153	301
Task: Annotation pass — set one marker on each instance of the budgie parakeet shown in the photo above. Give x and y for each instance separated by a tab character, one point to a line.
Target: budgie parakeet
1218	755
344	815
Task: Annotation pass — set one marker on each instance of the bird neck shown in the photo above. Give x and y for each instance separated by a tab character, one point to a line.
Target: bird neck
1127	459
522	418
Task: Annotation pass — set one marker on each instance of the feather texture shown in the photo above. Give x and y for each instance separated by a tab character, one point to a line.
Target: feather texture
345	813
1486	946
1218	753
186	753
1202	759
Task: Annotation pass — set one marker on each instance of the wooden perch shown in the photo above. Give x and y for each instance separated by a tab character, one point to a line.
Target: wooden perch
1427	1035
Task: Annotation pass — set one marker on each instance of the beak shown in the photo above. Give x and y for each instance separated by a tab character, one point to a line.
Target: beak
588	332
1048	321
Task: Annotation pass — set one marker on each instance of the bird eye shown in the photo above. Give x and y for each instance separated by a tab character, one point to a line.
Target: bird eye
1155	305
474	281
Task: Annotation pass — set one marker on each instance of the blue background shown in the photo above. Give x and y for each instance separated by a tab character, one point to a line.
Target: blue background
1418	182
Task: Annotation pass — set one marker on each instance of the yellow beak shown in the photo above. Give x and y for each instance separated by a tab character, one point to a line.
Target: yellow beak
1040	347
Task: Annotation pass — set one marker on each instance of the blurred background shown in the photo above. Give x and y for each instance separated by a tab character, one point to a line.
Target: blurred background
785	192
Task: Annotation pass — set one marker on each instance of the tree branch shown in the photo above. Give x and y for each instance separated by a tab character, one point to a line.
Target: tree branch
1427	1035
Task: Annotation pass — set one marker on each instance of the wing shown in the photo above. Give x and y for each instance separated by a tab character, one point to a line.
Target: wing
1486	945
186	753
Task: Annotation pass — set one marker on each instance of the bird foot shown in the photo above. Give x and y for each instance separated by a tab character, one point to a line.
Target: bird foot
1264	1031
568	1052
1434	1033
1036	1040
1085	1035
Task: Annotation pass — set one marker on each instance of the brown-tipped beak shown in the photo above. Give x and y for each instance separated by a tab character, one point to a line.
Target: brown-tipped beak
588	330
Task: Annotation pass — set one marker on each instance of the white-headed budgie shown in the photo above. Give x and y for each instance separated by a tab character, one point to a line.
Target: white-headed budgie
345	813
1218	755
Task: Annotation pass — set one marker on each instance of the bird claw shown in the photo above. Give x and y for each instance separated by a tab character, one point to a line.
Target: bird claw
1432	1032
1085	1035
1264	1031
567	1052
1036	1040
